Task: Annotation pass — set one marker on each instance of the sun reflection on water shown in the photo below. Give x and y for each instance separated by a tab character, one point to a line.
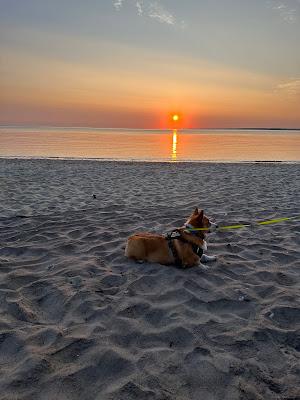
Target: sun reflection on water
174	145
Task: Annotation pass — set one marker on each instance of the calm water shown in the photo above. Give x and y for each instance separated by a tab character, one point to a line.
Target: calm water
185	145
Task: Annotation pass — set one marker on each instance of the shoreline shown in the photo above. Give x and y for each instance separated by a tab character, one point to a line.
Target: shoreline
150	161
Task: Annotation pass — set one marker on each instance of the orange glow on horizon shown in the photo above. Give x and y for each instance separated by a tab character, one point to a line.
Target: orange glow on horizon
194	93
174	120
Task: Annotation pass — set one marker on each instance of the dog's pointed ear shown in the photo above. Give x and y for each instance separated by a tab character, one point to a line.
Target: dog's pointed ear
196	211
200	215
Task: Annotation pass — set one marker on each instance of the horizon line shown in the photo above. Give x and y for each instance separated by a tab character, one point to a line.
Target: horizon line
143	129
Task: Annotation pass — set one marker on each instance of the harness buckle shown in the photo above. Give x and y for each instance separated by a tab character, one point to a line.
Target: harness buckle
173	235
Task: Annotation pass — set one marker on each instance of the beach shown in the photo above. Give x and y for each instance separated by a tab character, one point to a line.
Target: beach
80	321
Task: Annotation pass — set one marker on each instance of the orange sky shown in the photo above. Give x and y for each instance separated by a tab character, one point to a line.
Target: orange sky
57	78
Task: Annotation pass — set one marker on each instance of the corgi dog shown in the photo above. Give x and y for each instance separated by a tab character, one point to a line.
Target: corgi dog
184	246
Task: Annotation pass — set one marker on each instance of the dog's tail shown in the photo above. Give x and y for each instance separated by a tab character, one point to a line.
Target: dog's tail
126	249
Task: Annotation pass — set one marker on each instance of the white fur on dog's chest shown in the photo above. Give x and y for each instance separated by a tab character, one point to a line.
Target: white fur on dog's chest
204	246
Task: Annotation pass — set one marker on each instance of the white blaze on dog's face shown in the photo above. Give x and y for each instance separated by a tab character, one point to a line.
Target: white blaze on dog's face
199	220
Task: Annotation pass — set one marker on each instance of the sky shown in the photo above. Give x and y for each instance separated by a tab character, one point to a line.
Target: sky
134	63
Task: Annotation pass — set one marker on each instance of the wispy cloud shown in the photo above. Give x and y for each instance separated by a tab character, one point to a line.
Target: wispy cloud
139	6
118	4
291	88
152	9
286	11
158	12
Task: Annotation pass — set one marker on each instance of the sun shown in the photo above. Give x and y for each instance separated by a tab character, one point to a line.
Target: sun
175	117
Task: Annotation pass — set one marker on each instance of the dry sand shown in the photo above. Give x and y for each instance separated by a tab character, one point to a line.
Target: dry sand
79	321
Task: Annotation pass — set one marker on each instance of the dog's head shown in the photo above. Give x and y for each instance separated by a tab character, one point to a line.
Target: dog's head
198	220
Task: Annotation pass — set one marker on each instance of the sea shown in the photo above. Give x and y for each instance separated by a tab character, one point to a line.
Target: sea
221	145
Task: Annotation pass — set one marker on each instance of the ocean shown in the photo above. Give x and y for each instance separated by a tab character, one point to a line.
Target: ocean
151	145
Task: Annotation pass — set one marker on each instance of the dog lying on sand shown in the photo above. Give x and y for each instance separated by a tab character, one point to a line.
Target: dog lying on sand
184	246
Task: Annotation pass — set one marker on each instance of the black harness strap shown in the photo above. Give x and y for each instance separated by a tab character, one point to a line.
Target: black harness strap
175	234
197	250
170	236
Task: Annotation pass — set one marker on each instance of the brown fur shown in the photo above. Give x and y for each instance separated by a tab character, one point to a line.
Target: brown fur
154	248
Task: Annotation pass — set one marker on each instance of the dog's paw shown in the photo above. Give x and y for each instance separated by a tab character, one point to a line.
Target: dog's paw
204	267
205	258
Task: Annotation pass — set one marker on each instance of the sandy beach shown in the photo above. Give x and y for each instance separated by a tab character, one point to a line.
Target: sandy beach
80	321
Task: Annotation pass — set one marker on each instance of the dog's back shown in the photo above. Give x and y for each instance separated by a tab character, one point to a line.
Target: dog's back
148	247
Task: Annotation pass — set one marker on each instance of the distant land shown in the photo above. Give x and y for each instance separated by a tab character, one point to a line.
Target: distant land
149	129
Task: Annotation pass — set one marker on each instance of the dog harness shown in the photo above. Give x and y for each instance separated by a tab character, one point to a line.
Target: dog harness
175	234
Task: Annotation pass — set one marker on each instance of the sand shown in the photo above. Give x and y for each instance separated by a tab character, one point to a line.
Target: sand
80	321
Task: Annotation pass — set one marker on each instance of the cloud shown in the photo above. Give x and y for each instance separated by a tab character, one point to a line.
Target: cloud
118	4
284	10
139	6
291	88
158	12
152	9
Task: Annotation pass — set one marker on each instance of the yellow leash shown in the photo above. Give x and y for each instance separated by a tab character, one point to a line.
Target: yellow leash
229	227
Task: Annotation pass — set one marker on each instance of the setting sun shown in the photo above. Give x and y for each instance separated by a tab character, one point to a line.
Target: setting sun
175	117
